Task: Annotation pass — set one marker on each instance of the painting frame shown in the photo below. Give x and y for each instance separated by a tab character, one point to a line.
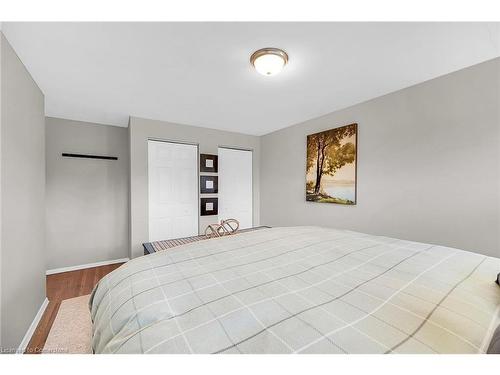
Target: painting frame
205	160
203	206
341	145
207	179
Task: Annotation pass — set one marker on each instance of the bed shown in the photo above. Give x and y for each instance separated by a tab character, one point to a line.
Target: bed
299	290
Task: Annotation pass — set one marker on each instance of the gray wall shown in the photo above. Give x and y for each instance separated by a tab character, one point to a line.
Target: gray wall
1	256
208	139
22	177
428	165
87	200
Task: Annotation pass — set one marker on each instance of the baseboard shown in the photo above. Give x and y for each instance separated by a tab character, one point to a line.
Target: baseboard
31	330
83	266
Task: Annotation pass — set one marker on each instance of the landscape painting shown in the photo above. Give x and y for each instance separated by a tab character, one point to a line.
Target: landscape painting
331	166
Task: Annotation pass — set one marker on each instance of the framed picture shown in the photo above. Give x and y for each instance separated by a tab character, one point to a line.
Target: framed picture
209	206
209	184
208	163
331	165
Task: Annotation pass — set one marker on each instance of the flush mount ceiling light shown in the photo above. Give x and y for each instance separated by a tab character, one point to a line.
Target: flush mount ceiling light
269	61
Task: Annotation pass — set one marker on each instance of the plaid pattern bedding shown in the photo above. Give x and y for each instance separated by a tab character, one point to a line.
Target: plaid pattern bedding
299	290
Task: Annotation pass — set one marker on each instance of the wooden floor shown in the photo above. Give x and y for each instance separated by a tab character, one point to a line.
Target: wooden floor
62	286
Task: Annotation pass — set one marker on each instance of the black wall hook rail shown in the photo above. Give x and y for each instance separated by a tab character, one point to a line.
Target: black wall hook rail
83	156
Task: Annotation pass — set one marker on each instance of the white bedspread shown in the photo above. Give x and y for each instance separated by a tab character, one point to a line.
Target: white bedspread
299	290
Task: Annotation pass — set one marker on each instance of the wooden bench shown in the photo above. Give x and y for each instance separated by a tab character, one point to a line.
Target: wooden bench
153	247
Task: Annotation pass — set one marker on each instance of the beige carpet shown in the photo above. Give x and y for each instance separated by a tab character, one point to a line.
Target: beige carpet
71	332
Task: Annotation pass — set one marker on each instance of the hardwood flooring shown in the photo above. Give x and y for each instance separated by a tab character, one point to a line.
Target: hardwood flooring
62	286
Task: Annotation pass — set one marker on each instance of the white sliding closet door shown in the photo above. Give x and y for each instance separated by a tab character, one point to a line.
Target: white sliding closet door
235	186
173	190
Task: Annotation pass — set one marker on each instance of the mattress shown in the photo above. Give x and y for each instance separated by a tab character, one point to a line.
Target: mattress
299	290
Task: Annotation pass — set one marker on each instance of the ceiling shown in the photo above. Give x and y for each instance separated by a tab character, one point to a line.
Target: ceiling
199	73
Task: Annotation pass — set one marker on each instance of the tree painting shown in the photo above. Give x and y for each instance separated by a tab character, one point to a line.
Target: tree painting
331	166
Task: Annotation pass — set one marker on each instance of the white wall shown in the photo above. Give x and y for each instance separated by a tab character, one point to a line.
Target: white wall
208	139
87	199
22	179
428	165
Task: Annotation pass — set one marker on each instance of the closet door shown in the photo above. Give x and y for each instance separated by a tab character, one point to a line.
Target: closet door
235	186
173	190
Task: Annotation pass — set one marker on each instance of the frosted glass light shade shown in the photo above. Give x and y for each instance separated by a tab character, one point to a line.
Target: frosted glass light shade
269	61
